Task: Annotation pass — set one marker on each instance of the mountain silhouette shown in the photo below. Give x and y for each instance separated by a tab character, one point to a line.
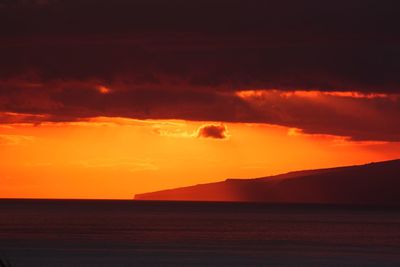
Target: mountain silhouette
371	184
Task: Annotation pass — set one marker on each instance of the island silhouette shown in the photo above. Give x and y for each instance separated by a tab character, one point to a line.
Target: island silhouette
376	183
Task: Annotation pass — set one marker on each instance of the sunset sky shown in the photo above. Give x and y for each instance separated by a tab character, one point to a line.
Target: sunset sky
106	99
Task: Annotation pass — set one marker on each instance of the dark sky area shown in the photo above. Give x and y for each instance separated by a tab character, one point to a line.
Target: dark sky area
188	59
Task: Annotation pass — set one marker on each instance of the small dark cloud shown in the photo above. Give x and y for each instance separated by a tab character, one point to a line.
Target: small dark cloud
213	131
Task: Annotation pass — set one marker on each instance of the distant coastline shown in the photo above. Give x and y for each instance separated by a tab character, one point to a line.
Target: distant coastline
372	184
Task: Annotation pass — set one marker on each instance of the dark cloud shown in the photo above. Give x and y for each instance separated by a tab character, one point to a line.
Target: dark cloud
188	59
213	131
361	117
76	100
358	117
324	45
209	64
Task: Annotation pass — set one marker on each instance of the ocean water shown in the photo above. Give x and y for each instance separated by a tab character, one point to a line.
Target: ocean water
134	233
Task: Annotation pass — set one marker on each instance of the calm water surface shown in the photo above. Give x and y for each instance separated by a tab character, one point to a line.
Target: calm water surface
134	233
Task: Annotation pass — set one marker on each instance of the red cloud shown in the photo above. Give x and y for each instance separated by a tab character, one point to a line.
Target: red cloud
357	115
213	131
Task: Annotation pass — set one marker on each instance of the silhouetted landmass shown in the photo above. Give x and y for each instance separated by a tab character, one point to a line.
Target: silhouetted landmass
370	184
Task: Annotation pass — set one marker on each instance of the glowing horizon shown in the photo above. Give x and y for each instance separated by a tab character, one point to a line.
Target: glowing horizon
115	158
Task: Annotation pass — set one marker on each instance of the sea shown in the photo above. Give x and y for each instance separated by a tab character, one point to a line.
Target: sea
156	233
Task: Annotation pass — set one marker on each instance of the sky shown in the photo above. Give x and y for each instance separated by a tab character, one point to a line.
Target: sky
106	99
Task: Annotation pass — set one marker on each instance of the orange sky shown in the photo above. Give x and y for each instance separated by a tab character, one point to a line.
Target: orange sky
118	157
106	99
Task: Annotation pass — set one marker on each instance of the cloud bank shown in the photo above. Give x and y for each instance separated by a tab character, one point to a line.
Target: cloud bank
195	60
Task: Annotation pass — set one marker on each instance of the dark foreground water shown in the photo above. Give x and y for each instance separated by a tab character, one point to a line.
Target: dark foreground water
133	233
